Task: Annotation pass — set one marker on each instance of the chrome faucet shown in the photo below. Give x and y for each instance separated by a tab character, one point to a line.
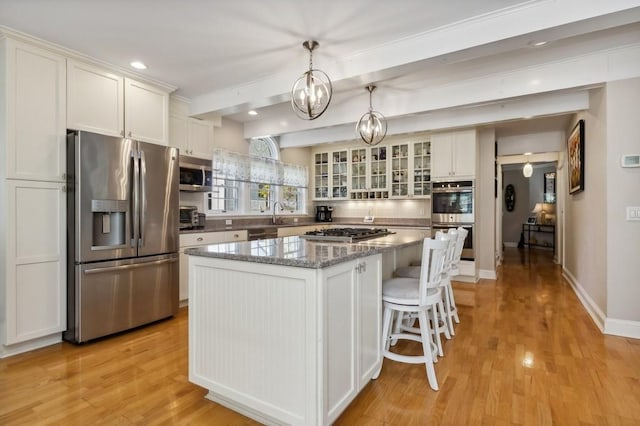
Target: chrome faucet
273	215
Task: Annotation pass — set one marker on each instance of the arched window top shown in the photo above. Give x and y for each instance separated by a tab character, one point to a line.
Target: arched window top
264	147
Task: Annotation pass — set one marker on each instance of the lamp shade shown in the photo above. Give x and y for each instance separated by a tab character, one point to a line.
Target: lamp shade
538	208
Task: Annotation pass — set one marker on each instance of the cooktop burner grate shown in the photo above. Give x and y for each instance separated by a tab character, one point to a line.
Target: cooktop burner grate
348	235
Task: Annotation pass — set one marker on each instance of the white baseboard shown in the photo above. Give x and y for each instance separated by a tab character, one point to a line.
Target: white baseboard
624	328
487	274
592	309
18	348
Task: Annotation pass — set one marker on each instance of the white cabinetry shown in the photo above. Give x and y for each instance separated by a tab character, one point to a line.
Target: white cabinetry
190	135
200	239
352	323
311	337
36	252
103	102
330	175
369	173
454	155
32	184
411	169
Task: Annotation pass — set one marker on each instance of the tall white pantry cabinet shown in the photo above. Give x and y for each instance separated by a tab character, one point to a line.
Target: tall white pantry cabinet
45	90
32	189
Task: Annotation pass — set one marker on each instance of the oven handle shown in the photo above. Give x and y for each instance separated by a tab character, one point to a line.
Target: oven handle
450	190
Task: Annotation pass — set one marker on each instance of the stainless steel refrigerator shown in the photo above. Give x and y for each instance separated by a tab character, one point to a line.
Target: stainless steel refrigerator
123	220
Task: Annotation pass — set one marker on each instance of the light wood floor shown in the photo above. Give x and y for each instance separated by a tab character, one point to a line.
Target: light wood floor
526	353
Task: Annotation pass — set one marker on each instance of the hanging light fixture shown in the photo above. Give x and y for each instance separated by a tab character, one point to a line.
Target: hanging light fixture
311	93
372	126
527	170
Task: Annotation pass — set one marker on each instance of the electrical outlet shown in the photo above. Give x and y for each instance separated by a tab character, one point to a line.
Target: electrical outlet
633	213
295	220
228	222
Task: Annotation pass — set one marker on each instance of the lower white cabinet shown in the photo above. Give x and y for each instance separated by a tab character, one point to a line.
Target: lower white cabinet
200	239
284	344
34	287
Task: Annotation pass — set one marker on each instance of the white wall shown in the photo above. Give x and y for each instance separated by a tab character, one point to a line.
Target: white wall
532	142
230	136
485	249
622	190
585	259
512	220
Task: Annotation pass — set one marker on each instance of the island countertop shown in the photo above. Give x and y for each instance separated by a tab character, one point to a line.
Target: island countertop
303	253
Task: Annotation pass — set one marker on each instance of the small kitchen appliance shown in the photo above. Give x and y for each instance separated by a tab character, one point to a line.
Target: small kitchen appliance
323	213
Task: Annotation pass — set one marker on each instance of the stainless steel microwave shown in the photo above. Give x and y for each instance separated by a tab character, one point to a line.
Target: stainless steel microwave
195	174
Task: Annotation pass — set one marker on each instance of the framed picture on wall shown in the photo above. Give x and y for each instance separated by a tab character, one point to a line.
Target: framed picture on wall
575	158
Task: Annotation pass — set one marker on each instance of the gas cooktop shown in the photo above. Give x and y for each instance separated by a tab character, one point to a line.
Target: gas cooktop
345	235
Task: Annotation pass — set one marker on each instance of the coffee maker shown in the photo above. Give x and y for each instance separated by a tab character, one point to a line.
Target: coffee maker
323	213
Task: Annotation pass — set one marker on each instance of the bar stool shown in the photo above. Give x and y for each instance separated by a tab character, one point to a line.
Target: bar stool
419	296
455	270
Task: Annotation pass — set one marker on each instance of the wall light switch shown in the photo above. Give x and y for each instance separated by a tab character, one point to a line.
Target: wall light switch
295	220
228	222
633	213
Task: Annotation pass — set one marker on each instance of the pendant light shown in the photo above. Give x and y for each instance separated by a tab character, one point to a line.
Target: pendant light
527	170
372	126
311	93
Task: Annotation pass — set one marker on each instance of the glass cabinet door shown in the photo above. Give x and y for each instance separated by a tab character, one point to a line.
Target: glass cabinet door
321	175
339	174
400	170
421	169
358	169
378	168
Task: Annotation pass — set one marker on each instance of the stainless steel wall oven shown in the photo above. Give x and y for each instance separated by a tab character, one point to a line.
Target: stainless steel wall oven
452	205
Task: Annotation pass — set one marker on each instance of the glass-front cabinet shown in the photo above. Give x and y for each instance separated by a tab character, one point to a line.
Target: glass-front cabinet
397	170
421	169
411	169
368	173
400	170
330	175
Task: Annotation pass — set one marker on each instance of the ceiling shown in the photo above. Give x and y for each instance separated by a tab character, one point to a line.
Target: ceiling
431	60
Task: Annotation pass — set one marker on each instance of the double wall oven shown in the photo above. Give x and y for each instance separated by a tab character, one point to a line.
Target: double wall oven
452	206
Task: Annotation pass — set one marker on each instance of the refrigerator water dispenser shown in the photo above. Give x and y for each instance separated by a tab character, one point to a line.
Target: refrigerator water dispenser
109	223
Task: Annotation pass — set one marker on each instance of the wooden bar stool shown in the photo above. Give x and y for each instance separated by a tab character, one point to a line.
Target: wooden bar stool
421	296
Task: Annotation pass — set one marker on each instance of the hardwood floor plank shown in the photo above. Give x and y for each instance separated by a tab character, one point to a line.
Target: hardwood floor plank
525	353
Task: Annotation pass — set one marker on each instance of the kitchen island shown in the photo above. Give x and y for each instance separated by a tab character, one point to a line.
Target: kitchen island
286	330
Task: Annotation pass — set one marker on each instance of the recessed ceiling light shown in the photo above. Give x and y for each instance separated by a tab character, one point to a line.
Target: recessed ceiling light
252	112
138	65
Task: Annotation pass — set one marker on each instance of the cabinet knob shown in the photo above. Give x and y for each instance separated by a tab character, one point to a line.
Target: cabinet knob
129	133
236	236
200	238
64	176
64	188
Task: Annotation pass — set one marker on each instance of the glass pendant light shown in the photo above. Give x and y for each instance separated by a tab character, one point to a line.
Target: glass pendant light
311	93
527	170
372	126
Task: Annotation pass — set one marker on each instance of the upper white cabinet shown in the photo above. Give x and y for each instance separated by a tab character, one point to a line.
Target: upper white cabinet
330	175
146	109
411	169
369	173
34	135
453	155
103	102
96	99
191	136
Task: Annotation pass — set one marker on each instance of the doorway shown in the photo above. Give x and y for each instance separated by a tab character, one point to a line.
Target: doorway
536	199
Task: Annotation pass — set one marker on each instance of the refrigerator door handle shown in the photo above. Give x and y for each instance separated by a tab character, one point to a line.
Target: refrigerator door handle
143	193
135	197
128	267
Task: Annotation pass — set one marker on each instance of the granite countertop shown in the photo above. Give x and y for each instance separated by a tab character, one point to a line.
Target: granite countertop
300	252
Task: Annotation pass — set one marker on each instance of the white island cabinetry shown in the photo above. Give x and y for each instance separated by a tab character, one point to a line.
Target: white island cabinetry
285	344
